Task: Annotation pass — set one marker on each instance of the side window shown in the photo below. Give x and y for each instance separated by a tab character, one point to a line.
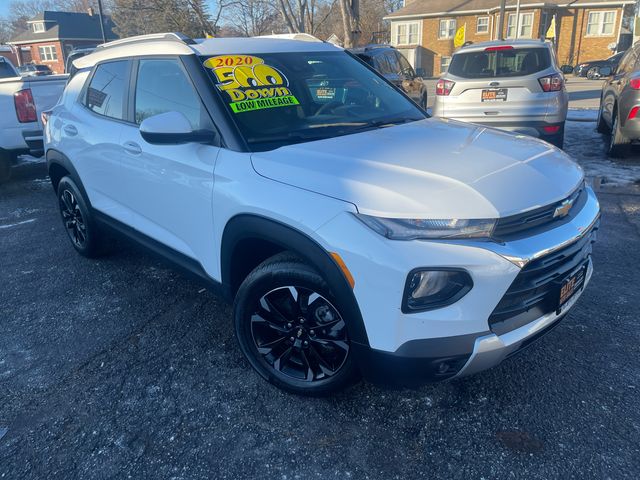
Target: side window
393	62
162	86
405	66
106	91
627	62
382	65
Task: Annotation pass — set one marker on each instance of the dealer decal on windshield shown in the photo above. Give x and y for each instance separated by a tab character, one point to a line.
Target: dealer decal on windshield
250	83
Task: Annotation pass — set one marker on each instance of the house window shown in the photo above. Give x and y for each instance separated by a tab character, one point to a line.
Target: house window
601	24
48	53
444	64
447	28
38	27
526	25
483	25
407	33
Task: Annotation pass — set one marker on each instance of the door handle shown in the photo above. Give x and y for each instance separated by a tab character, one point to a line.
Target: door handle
132	147
70	130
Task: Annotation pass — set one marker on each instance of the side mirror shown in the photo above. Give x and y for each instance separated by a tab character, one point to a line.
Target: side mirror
171	128
605	71
420	72
566	69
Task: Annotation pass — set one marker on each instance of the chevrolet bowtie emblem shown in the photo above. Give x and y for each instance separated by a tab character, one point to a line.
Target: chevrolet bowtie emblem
563	209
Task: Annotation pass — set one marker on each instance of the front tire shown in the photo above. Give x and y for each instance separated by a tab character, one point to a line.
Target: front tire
290	328
602	126
78	222
619	144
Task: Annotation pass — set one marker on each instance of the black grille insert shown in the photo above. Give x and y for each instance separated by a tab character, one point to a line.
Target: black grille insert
524	222
534	292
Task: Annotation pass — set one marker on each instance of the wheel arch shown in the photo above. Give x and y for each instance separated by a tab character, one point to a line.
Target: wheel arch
58	166
249	239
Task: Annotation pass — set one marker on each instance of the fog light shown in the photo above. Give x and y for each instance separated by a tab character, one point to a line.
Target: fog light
427	289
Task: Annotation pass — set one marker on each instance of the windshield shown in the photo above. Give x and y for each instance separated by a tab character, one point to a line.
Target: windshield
510	62
279	99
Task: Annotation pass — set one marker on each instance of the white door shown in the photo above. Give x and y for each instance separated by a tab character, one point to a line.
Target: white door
169	187
91	136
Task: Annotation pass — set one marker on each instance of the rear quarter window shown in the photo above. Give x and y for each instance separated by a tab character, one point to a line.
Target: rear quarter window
500	63
106	92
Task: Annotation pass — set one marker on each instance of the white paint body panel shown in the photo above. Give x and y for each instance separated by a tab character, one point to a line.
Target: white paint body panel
45	91
184	195
428	169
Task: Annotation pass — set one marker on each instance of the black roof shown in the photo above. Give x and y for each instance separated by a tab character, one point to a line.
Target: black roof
67	26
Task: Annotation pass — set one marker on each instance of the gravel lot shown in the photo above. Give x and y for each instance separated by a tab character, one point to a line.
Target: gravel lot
121	368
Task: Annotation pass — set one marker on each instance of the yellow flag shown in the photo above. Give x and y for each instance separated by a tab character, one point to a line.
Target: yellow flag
551	32
460	37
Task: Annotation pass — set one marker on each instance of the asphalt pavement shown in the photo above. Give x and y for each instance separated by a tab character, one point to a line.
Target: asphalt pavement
122	368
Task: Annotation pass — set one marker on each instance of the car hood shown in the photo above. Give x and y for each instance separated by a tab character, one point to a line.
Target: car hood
432	168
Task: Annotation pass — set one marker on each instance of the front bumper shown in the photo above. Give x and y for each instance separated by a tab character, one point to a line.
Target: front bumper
463	338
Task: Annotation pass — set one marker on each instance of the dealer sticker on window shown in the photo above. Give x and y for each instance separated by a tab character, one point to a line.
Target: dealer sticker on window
250	83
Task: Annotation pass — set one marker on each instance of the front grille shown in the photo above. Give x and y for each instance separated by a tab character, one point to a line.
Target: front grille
507	227
534	292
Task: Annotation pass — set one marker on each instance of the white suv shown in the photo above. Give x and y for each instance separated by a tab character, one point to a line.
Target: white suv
355	235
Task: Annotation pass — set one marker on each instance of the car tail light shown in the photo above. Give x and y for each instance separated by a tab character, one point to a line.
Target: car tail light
552	83
501	47
551	128
25	107
633	113
635	83
444	87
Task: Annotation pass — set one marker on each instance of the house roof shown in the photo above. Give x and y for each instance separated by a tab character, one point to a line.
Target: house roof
66	26
438	8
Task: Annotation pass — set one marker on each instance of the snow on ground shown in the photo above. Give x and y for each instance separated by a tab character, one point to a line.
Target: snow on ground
588	148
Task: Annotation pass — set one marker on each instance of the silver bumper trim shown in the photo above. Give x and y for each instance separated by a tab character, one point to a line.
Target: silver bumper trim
490	350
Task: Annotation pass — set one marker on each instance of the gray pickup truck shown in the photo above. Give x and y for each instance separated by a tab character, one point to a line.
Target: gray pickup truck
21	102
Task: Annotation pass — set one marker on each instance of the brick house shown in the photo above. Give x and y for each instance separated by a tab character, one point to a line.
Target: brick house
50	36
586	29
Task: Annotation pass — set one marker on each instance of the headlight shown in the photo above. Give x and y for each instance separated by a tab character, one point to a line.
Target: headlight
411	229
427	289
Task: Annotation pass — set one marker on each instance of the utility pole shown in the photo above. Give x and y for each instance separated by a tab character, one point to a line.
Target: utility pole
104	37
501	21
518	19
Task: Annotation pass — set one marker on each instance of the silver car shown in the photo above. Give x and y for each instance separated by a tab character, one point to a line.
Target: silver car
512	85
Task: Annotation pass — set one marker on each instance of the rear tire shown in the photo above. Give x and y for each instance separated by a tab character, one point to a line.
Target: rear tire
6	159
290	328
85	236
619	145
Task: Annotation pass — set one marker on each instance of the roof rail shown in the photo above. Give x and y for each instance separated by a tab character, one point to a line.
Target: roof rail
373	46
171	36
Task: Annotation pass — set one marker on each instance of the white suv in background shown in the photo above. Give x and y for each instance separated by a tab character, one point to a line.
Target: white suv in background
354	235
514	85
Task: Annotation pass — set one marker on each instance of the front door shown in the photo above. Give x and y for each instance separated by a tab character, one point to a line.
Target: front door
169	187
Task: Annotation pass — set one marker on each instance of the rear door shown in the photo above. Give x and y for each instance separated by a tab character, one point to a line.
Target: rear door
616	83
499	82
90	136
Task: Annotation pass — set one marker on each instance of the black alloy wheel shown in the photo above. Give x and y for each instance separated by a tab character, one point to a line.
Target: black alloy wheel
299	334
73	219
290	329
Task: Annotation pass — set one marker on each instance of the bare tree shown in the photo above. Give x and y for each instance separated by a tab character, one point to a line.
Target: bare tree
350	10
252	17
